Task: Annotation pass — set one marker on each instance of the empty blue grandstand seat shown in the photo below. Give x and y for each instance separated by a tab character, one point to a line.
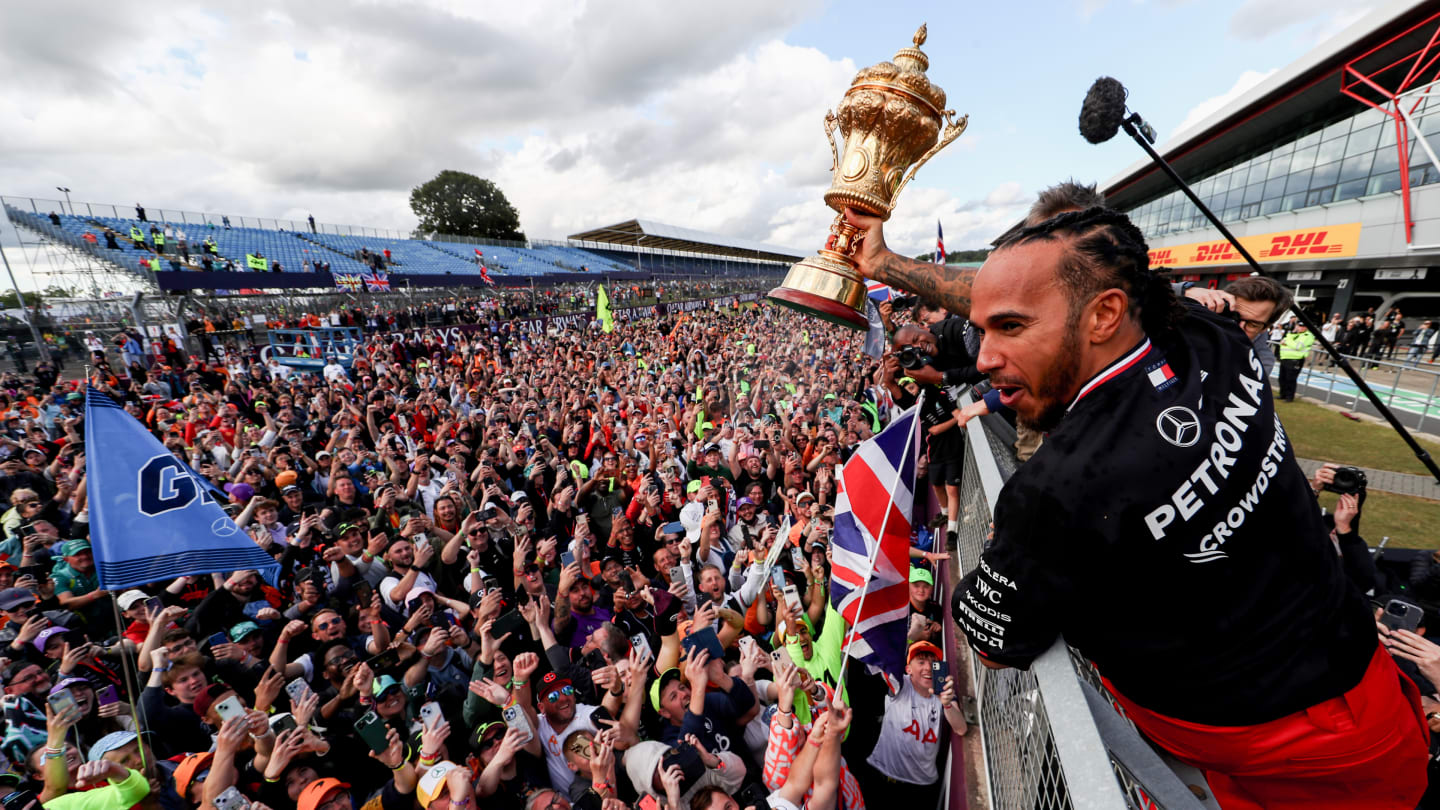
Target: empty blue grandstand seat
408	256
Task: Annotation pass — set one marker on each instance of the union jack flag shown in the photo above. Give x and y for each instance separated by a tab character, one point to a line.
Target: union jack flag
349	281
874	501
878	291
379	282
939	243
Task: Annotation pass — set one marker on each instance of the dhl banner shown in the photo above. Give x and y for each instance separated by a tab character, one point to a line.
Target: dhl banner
1328	242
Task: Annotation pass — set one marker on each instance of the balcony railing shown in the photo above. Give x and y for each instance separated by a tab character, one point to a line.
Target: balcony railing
1051	737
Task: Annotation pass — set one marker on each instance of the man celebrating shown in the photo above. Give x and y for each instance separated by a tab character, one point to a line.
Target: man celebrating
1164	527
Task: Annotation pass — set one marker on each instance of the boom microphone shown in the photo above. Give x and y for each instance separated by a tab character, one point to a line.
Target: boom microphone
1103	110
1103	114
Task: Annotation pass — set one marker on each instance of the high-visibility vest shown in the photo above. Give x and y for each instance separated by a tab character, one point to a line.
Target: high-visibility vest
259	263
159	239
1296	345
137	234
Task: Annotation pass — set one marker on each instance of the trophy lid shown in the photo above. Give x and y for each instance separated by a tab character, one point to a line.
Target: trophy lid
892	118
906	75
914	58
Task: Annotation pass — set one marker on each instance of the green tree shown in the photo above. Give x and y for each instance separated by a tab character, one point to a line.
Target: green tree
7	300
956	256
462	204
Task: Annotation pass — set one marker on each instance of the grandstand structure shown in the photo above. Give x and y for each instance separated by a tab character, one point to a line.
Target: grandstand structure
93	247
93	275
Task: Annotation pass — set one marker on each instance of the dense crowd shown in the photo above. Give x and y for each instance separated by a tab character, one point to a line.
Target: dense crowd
517	570
220	328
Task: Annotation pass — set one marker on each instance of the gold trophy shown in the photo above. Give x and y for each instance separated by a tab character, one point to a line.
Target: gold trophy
891	118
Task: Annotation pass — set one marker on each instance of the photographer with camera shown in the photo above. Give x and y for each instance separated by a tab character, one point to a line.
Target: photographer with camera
914	351
1349	484
937	354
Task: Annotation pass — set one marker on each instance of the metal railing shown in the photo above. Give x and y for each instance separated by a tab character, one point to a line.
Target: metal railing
175	216
1406	386
1050	735
180	217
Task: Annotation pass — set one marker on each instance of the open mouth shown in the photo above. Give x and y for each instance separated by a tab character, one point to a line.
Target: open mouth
1009	394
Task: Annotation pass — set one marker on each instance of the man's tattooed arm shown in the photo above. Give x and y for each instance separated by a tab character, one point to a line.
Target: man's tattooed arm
947	286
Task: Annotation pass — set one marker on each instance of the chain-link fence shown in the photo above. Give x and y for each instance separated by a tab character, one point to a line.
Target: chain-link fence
1051	738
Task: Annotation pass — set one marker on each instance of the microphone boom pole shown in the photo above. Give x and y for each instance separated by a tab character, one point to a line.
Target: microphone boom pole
1132	124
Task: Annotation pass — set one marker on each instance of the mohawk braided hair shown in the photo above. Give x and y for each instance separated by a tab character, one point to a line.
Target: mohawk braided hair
1107	252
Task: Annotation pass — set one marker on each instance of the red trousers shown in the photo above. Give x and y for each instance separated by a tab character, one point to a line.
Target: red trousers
1366	749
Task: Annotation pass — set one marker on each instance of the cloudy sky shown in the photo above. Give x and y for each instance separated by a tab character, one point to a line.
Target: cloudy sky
706	115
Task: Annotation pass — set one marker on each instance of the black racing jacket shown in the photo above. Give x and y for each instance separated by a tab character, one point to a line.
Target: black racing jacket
1165	530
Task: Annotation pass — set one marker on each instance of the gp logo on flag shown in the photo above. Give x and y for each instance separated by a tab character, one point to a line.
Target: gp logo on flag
163	485
152	518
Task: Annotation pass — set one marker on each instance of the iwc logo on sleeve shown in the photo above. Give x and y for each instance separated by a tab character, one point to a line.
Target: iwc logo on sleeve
1179	426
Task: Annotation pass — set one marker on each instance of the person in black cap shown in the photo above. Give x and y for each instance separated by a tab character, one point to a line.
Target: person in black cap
24	620
292	504
710	465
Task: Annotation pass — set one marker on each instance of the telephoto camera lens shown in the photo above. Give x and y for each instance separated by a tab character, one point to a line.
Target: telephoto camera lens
913	357
1348	481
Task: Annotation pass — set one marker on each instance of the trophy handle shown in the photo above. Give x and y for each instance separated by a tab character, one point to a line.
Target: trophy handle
953	130
830	124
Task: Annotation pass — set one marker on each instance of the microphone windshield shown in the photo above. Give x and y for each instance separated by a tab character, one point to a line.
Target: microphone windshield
1103	110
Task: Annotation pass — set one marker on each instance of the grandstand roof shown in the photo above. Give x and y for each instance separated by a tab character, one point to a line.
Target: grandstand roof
651	234
1305	91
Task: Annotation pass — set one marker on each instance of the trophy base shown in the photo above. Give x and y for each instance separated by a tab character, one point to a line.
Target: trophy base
826	286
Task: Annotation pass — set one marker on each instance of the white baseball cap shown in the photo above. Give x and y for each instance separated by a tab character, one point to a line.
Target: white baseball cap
128	599
433	782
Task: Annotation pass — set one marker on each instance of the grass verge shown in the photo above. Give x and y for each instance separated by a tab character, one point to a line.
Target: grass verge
1324	434
1408	522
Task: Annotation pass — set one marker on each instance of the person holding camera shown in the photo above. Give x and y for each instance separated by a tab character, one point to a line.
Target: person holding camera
1349	484
913	354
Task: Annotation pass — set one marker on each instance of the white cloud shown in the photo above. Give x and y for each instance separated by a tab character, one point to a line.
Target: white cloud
1089	8
1318	19
585	113
1214	104
217	109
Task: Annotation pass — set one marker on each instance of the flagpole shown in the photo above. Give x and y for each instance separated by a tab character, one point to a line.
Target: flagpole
899	470
128	665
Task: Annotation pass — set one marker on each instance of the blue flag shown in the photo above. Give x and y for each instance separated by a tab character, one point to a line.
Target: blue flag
152	518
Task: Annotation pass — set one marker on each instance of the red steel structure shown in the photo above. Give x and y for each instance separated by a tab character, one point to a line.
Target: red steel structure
1417	72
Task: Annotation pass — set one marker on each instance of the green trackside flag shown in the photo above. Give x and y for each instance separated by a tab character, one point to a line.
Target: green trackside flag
602	310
